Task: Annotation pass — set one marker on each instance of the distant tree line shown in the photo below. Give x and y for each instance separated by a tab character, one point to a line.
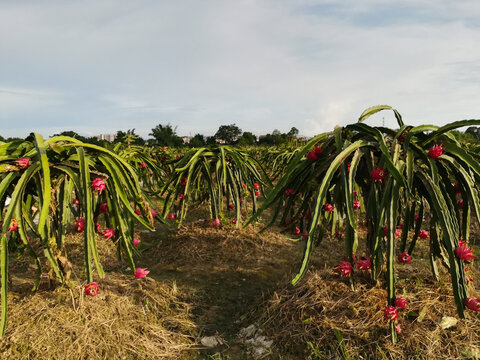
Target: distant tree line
166	135
473	131
226	134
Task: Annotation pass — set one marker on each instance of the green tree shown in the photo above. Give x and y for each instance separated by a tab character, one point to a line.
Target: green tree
197	141
120	135
267	139
474	131
69	133
247	138
293	132
228	133
94	140
211	140
165	135
128	137
275	138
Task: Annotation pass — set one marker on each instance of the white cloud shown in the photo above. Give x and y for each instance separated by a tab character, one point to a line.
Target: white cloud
328	116
14	100
262	65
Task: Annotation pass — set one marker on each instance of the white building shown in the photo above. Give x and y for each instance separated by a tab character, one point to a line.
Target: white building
186	139
108	137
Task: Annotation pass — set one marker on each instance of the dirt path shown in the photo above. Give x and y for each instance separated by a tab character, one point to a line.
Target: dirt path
225	272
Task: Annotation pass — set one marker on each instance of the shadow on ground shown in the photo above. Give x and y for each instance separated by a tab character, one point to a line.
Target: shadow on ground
226	274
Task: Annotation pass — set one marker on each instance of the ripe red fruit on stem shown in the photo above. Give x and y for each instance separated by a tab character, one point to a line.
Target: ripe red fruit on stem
312	156
435	151
378	174
364	263
318	150
344	268
108	233
423	234
289	192
98	185
103	208
80	223
464	253
390	313
22	163
91	289
328	207
404	258
401	303
140	273
472	304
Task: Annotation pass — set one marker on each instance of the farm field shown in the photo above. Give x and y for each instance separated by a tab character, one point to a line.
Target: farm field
239	180
206	281
359	244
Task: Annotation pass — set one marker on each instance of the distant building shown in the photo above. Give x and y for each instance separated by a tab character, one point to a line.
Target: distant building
108	137
186	139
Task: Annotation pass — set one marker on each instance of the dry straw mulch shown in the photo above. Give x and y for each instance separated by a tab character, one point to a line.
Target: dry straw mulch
128	319
309	313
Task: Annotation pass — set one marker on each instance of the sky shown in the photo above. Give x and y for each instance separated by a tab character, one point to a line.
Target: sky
98	66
